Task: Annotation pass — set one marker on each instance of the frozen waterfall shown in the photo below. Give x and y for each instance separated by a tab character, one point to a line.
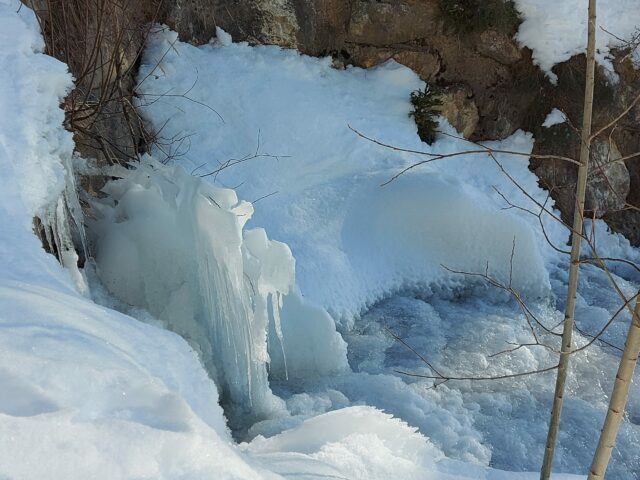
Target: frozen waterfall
174	246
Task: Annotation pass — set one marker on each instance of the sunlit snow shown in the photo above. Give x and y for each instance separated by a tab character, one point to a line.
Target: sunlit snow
265	240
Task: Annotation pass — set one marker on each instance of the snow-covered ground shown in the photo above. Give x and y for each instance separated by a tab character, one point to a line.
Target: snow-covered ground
557	30
89	392
280	135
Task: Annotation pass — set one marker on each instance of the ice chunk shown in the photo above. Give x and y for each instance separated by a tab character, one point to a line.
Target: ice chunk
173	245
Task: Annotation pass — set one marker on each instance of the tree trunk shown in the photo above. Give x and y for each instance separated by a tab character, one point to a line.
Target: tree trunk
618	398
576	237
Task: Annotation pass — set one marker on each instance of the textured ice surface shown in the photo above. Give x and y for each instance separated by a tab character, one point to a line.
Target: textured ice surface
286	118
171	244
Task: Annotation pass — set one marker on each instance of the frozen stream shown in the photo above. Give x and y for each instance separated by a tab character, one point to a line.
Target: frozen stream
499	422
247	323
264	316
281	276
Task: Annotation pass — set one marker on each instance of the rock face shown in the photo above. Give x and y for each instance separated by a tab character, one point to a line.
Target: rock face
459	109
608	181
498	46
613	189
391	22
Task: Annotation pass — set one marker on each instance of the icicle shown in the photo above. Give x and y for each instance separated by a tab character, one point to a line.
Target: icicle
63	226
276	307
175	246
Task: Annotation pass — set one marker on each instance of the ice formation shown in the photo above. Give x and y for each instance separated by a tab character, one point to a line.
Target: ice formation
323	181
91	393
174	245
356	243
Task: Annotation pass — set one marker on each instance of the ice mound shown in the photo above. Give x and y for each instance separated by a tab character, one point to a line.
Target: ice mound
173	245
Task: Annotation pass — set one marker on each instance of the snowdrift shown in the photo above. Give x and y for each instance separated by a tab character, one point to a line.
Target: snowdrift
355	242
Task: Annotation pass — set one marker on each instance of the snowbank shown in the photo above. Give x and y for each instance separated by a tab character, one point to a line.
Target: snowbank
355	242
557	30
86	391
33	147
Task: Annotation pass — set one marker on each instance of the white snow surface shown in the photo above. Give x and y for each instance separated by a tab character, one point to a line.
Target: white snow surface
88	392
274	125
555	117
288	140
557	30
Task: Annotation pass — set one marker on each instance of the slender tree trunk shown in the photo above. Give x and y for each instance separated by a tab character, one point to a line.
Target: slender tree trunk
576	234
618	398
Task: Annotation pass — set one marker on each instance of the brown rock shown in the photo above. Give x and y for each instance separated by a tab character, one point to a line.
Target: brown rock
256	21
608	181
459	109
425	64
323	25
391	22
498	46
279	23
367	57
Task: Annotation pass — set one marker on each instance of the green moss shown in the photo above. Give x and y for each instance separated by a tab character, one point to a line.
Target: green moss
425	111
467	16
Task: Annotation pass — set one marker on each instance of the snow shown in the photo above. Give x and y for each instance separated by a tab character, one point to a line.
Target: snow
92	393
31	88
101	381
282	138
557	30
330	444
555	117
33	151
223	38
326	201
89	392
